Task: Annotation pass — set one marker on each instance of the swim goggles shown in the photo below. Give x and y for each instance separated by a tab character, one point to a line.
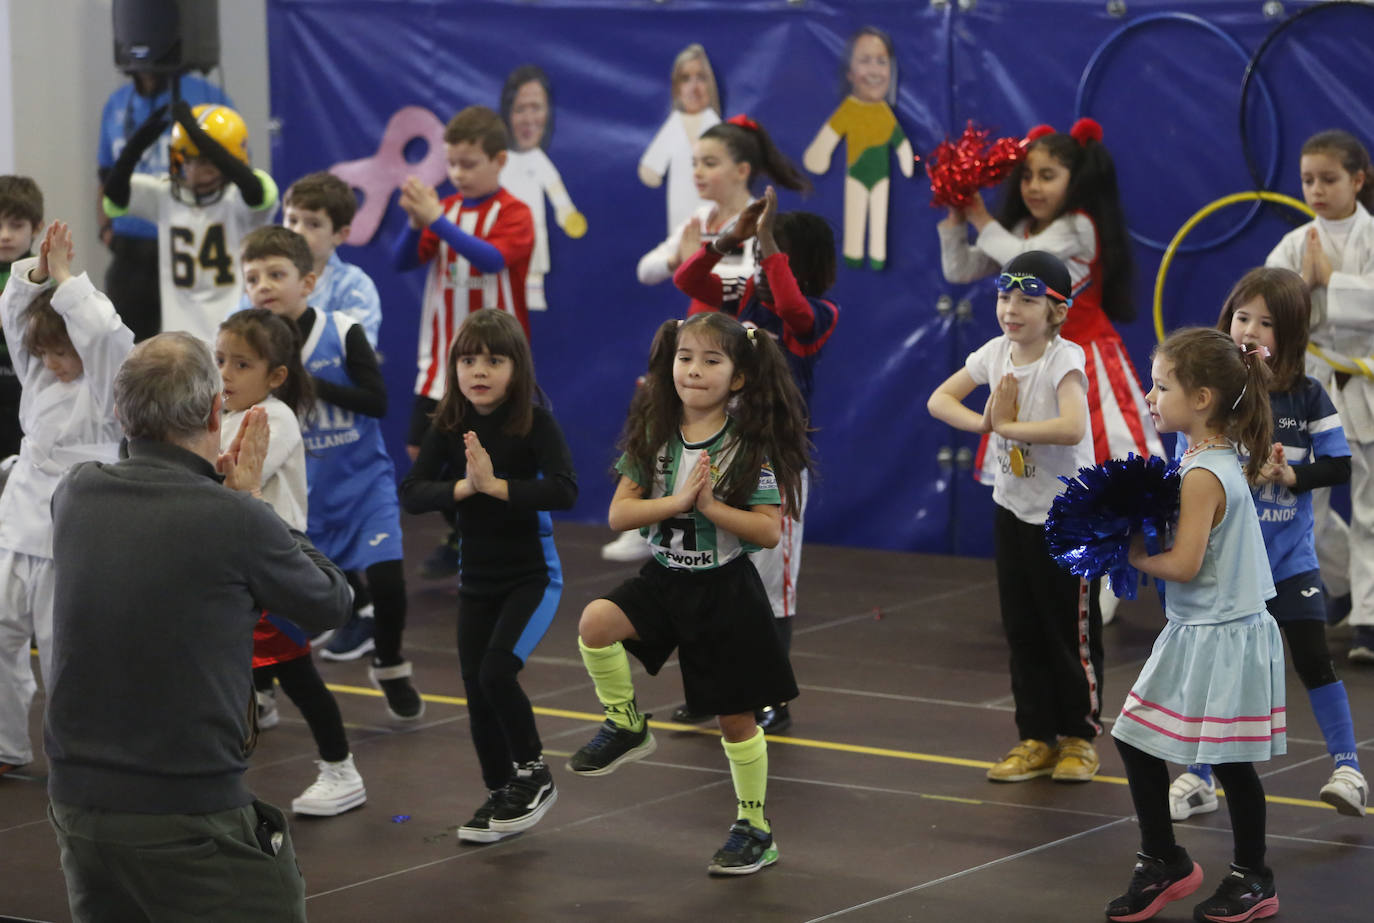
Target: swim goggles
1031	285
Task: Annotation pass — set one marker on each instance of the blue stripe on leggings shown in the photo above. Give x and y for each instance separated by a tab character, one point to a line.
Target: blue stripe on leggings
539	622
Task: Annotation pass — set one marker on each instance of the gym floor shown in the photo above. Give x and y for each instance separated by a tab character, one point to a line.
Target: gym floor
877	793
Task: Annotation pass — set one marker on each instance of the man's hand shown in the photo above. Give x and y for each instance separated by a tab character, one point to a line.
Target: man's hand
242	464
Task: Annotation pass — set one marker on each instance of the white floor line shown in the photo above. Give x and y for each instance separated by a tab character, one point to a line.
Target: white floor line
487	849
969	871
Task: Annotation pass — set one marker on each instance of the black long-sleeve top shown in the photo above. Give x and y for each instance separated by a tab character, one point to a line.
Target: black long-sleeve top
503	540
367	395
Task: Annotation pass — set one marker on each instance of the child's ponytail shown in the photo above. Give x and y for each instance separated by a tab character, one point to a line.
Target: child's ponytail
655	409
772	425
749	143
1250	422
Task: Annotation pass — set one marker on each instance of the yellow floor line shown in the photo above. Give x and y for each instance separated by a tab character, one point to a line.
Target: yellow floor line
835	746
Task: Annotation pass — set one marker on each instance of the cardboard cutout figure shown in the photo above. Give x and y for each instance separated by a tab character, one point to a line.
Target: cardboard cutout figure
529	175
696	107
865	118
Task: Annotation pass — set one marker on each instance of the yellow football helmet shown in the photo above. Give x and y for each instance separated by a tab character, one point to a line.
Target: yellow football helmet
219	122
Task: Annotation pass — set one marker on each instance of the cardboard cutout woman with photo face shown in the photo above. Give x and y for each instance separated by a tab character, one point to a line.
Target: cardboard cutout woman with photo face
866	120
696	107
529	175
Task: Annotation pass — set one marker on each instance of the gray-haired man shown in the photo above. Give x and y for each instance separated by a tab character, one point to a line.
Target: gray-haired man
161	573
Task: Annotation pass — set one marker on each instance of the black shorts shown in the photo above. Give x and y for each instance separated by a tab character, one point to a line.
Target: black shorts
1299	598
721	624
420	419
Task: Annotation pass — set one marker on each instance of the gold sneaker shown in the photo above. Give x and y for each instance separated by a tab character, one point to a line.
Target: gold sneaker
1078	761
1028	759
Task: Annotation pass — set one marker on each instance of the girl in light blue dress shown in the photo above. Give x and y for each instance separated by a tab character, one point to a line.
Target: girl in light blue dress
1212	690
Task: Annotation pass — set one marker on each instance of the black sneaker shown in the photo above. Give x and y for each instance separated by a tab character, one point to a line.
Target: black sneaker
746	851
443	560
478	830
1155	883
612	746
402	701
1242	895
524	800
682	715
774	719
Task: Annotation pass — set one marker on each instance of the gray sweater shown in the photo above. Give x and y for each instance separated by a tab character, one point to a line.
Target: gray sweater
161	573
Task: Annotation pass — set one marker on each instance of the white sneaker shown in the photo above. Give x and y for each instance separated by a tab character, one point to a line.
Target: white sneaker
1107	601
1346	791
268	717
1191	794
339	788
630	546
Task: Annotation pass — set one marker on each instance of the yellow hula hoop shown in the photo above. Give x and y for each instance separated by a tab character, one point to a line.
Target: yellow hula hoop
1193	221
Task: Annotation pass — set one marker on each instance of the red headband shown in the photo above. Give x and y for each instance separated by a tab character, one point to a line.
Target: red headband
743	121
1083	131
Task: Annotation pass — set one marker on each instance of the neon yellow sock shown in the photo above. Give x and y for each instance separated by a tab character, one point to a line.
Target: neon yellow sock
609	668
749	768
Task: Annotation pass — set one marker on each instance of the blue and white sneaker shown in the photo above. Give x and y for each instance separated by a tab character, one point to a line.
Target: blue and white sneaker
351	641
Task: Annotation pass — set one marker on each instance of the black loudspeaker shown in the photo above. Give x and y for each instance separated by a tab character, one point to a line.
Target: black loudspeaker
166	36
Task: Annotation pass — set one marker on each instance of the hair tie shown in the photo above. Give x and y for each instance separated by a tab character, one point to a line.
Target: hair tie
1085	130
743	121
1236	402
1038	132
1263	351
749	332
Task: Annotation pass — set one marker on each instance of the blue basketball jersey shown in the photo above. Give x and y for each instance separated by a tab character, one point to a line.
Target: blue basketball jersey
354	514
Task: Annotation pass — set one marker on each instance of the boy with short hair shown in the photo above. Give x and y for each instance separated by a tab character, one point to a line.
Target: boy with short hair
480	240
67	344
320	207
21	217
203	207
354	517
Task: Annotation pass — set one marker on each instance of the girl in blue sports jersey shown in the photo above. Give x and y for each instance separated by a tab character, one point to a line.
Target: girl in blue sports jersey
715	448
499	461
259	364
1270	308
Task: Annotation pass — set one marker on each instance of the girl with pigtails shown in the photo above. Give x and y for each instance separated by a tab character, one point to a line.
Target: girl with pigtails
1063	198
714	449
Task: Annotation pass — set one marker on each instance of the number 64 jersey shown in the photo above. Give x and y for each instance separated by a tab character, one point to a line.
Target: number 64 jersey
199	276
691	541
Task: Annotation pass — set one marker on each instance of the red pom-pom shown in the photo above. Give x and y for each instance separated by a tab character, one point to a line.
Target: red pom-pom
1038	132
1085	130
958	169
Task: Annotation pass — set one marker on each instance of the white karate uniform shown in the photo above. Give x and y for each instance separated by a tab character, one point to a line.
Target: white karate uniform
530	176
1343	322
64	423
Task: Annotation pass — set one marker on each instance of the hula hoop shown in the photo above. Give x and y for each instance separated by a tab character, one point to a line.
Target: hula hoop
1084	82
1259	196
1251	72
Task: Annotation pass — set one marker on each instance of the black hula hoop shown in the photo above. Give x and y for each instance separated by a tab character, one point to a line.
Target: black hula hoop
1250	73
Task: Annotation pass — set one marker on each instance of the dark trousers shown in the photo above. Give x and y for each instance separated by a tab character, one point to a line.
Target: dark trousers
1149	780
306	689
132	285
386	581
500	717
227	866
1053	625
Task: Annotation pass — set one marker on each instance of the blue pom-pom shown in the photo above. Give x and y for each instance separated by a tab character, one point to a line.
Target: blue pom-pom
1089	526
